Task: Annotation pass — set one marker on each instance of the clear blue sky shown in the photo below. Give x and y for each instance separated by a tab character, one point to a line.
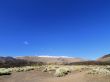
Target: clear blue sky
75	28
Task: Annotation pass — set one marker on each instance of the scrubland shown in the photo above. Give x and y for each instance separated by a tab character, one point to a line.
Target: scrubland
56	73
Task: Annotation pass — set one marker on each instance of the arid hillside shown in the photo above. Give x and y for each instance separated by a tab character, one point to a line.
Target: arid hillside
105	58
33	60
51	60
13	62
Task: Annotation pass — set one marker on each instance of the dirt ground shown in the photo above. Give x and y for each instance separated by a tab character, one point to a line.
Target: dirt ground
38	76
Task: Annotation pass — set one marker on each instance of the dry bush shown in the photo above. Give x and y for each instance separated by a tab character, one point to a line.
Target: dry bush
49	68
62	71
99	71
5	71
21	69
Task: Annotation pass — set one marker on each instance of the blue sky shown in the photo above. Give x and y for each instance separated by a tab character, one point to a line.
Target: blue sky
75	28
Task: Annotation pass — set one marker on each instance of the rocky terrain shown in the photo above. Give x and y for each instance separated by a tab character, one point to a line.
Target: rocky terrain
51	60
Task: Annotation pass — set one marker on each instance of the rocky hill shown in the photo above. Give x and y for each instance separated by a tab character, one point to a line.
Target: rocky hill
51	60
13	62
105	58
31	60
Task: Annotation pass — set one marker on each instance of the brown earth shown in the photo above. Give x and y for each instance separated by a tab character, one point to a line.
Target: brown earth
38	76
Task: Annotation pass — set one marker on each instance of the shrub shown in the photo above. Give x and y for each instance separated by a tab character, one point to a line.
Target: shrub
28	68
4	71
99	71
49	68
62	71
21	69
44	70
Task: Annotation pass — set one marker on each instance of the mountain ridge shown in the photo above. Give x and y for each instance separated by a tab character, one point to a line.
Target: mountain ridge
105	58
51	59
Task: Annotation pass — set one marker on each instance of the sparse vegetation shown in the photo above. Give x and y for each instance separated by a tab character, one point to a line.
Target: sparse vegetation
99	71
8	71
27	68
59	71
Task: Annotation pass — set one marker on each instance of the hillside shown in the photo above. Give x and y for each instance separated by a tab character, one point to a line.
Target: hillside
31	60
13	62
105	58
51	60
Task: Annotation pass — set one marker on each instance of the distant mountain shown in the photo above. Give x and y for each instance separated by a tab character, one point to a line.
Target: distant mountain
51	59
33	60
105	58
13	62
40	60
4	59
